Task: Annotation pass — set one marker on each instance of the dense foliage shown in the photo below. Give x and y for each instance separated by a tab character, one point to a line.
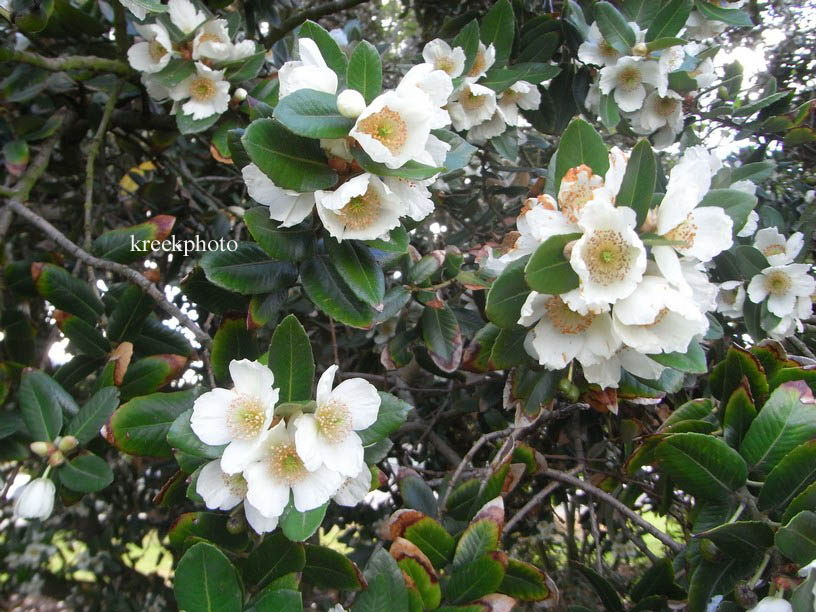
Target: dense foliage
407	306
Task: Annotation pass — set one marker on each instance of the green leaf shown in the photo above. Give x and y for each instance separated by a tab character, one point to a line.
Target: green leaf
291	161
211	297
86	473
712	578
313	114
477	356
740	538
181	437
727	375
39	407
279	600
638	184
468	40
508	349
206	581
273	558
580	144
330	293
756	171
417	494
804	501
460	149
737	204
298	526
245	68
499	79
789	478
192	527
84	336
66	292
797	539
739	413
702	465
507	295
150	374
442	336
156	338
462	500
615	29
186	124
397	241
291	360
392	413
231	341
263	309
609	597
525	582
473	580
358	268
117	244
784	423
329	49
692	361
290	243
86	423
665	43
658	580
669	20
140	426
411	169
128	316
480	537
641	12
432	539
175	72
386	587
499	27
548	271
365	71
609	111
248	269
329	569
424	583
732	17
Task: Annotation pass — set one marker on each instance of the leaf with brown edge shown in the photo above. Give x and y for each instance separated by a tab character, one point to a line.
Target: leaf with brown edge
496	602
418	571
493	510
432	539
480	537
121	356
401	520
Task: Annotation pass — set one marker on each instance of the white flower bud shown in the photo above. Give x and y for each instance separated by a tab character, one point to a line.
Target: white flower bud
40	448
35	500
351	103
239	94
67	444
56	458
640	49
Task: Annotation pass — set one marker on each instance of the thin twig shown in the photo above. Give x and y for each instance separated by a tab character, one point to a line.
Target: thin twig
441	445
535	500
67	62
593	517
335	353
313	13
111	266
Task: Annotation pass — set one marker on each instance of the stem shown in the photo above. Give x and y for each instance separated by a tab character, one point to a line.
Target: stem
67	62
737	513
314	13
534	501
760	570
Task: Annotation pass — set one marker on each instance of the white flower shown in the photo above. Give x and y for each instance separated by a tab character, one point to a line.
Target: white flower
206	92
354	489
237	417
310	72
153	54
657	318
562	334
350	103
154	88
751	224
607	373
703	291
519	95
671	59
772	604
472	105
595	49
609	258
184	15
362	208
792	323
287	206
480	134
395	126
212	41
415	196
485	58
578	187
435	84
731	298
775	248
659	111
134	7
781	285
627	79
35	500
222	491
279	469
328	436
442	57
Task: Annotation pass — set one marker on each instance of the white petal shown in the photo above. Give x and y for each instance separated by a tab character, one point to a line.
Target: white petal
259	523
240	453
212	487
315	488
345	457
139	57
756	289
362	400
324	384
209	419
308	443
265	492
630	101
713	235
252	378
354	490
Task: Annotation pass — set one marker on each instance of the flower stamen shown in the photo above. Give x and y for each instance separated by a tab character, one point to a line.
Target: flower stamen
387	127
245	417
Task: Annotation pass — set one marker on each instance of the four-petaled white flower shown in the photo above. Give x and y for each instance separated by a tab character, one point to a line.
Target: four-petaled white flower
239	417
185	16
212	41
279	470
662	111
609	258
627	79
775	248
439	54
206	92
328	436
522	95
287	206
731	298
595	50
35	500
472	105
310	72
152	54
782	285
362	208
484	60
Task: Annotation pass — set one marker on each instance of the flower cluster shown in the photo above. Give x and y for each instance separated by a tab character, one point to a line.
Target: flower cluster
648	83
393	130
184	60
272	452
473	107
642	289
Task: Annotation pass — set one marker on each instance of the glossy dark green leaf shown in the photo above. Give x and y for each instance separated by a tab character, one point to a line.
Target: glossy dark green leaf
609	597
313	114
330	293
499	79
442	335
507	295
364	72
613	26
118	244
86	473
150	374
669	20
181	437
714	12
84	336
231	341
206	581
39	406
692	361
329	49
298	526
432	539
358	268
468	39
209	296
128	316
790	477
66	292
525	582
580	144
273	558
460	151
86	424
291	360
329	569
247	270
637	186
474	579
290	243
411	169
393	413
498	27
417	494
140	426
548	271
386	587
797	539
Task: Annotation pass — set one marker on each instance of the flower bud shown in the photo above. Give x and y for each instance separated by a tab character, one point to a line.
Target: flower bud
56	458
640	49
239	94
67	444
236	524
35	500
40	448
650	222
568	249
351	103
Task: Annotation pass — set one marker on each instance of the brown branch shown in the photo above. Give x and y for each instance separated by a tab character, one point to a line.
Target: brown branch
534	501
111	266
314	13
441	445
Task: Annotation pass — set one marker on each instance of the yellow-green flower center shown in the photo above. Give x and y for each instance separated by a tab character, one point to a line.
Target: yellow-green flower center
156	50
202	89
478	64
774	249
565	320
685	233
666	106
607	257
629	78
361	211
777	282
285	464
445	64
236	484
333	421
387	127
245	417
